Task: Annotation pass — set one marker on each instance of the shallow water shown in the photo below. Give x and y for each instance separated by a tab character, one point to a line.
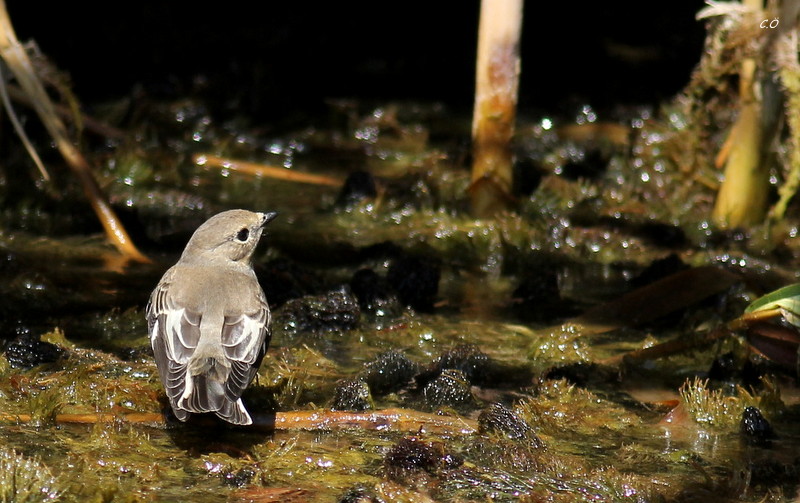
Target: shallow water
512	288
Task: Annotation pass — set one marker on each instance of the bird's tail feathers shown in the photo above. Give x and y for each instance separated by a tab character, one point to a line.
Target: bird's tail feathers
204	394
234	412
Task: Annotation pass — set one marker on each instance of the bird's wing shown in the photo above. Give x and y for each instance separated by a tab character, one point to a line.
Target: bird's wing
244	341
174	334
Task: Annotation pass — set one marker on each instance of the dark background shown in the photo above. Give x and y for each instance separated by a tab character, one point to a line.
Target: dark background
274	58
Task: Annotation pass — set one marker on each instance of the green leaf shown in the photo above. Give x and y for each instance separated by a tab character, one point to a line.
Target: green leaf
787	299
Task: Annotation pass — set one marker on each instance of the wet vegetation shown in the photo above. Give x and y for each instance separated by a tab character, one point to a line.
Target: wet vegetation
594	344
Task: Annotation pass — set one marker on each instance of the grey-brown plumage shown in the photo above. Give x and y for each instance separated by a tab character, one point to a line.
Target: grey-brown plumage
209	320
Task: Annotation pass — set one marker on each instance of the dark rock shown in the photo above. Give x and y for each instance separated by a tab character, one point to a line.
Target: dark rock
450	389
27	351
416	281
412	457
391	371
283	280
351	394
336	310
499	418
724	368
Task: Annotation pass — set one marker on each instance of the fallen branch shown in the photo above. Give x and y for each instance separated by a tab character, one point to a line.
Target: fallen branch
255	169
682	345
386	420
668	348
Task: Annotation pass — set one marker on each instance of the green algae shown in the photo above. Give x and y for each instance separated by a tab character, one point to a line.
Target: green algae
27	480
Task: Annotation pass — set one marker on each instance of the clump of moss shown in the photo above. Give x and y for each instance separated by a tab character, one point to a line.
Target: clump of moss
564	344
560	407
44	406
335	311
298	376
450	389
413	461
718	410
352	394
24	480
389	372
500	419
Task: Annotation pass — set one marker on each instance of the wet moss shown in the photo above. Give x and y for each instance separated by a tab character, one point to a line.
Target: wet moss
352	394
298	376
27	480
416	462
449	389
389	372
560	408
335	311
505	421
639	204
563	344
719	410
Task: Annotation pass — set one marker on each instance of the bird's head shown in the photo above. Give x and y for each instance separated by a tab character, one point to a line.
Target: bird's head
230	236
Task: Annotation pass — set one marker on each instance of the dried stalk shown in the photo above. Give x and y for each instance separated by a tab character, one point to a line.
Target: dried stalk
497	79
789	70
90	123
255	169
23	136
742	198
20	65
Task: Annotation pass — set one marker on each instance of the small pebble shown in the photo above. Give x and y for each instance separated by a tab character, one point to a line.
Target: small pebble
755	428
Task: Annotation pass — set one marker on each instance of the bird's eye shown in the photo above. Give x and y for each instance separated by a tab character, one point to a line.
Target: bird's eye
243	234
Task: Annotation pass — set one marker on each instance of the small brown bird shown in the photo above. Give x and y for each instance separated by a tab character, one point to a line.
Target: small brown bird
209	320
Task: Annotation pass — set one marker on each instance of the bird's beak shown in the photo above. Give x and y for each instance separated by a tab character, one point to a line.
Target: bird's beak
268	217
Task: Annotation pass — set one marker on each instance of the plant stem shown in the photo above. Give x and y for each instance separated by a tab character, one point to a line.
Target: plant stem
497	79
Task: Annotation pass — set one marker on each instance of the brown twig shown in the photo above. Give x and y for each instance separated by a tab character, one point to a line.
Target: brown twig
251	168
668	348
